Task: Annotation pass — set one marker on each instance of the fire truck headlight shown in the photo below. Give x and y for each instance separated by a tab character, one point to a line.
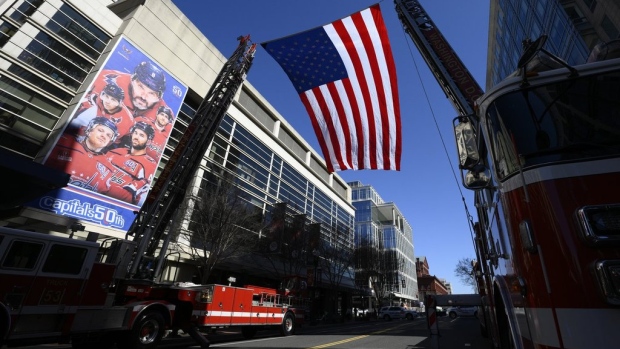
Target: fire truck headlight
600	224
608	273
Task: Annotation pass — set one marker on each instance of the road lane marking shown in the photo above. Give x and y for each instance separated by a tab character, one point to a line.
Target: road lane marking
327	345
339	342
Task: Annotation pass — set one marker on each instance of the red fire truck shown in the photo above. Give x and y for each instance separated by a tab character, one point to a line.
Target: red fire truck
58	289
541	150
252	307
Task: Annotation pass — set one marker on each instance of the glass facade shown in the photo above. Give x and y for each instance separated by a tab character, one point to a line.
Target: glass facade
48	50
382	226
268	179
518	20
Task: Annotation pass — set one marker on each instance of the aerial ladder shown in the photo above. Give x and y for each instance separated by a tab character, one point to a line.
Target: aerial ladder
456	81
460	88
168	193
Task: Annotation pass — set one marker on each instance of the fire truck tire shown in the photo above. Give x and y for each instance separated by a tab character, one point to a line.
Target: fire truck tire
248	332
287	327
146	333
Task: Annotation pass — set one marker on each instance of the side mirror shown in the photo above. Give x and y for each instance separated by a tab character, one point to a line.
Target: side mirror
466	143
477	178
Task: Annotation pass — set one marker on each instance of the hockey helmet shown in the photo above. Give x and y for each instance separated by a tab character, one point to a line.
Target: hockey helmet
148	129
150	75
164	109
100	120
114	91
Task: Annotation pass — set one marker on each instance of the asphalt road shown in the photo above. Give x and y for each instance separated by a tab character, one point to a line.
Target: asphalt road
456	333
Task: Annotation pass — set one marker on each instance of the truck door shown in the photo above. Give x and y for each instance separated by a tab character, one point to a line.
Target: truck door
43	277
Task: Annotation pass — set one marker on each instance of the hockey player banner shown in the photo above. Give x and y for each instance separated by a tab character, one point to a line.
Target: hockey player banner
114	140
345	75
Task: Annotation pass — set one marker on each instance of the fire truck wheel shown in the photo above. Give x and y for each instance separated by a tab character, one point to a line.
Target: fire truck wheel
248	332
288	325
146	333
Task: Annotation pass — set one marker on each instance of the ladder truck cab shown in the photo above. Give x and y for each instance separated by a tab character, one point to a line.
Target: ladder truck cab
54	289
541	151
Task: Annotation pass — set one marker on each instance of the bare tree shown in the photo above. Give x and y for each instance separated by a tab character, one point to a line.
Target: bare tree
377	265
222	225
335	262
465	271
283	242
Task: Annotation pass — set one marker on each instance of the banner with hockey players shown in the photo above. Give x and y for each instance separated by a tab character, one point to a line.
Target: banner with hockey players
114	141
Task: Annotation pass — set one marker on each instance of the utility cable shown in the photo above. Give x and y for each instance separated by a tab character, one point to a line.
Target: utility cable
467	213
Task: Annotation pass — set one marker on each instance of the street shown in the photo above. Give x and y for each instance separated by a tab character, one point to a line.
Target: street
462	332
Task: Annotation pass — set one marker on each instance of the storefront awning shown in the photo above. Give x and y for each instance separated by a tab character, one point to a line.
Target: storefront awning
22	179
400	295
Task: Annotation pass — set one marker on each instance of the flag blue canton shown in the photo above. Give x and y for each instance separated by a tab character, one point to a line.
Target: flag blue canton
310	59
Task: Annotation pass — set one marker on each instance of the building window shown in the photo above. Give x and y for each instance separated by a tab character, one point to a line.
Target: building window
610	29
25	10
78	31
64	65
591	4
6	32
575	14
27	115
35	80
48	69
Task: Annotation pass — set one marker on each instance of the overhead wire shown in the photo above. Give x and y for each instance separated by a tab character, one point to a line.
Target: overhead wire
467	212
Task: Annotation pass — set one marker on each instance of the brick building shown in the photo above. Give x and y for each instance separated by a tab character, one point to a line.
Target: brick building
428	284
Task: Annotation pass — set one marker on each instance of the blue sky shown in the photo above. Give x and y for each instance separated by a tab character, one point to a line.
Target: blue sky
427	188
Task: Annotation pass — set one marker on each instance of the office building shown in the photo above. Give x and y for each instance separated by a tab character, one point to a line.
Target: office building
573	29
382	226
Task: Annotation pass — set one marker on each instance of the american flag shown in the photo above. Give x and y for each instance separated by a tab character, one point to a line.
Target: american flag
345	75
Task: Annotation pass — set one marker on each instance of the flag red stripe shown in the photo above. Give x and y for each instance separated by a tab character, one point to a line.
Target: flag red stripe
358	123
379	90
329	123
359	71
318	132
342	116
389	61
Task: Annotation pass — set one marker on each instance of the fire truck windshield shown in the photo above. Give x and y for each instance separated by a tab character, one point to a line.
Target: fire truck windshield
570	120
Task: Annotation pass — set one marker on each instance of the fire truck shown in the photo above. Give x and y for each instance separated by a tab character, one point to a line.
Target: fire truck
541	151
56	289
